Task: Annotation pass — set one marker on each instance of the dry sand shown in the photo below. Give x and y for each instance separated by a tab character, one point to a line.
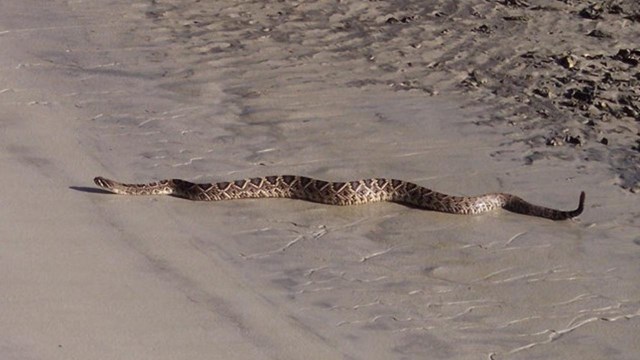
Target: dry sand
464	97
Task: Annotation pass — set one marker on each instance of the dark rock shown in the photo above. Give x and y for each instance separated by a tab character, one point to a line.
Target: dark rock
629	111
600	34
592	12
607	78
484	28
392	20
625	100
573	140
516	18
564	79
616	9
629	56
554	141
515	3
587	94
406	19
544	92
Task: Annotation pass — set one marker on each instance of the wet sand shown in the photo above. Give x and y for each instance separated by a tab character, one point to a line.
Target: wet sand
465	99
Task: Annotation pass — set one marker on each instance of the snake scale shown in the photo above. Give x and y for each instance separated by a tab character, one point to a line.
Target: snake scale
340	193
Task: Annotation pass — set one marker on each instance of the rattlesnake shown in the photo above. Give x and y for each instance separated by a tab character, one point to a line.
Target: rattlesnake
340	193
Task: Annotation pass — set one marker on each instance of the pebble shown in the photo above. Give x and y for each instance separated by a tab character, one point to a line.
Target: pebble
592	12
568	61
600	34
629	56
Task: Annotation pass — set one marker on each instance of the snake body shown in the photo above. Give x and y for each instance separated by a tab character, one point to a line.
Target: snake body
340	193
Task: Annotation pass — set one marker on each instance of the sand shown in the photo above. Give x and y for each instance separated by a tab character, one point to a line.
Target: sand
464	97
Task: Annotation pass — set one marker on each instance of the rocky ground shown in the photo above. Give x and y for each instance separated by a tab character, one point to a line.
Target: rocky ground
553	73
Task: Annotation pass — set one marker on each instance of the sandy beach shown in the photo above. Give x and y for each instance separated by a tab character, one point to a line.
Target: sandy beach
536	98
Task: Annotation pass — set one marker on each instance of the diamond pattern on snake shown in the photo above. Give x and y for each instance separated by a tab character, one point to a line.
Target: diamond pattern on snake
340	193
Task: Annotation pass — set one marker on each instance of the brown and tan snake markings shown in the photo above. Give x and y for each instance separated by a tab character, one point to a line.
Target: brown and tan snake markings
340	193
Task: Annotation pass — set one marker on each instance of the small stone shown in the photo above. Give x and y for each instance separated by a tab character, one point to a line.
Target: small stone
629	111
629	56
406	19
625	100
604	141
543	112
599	34
516	18
568	61
475	79
516	3
554	141
544	92
616	9
573	140
484	28
587	94
592	12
